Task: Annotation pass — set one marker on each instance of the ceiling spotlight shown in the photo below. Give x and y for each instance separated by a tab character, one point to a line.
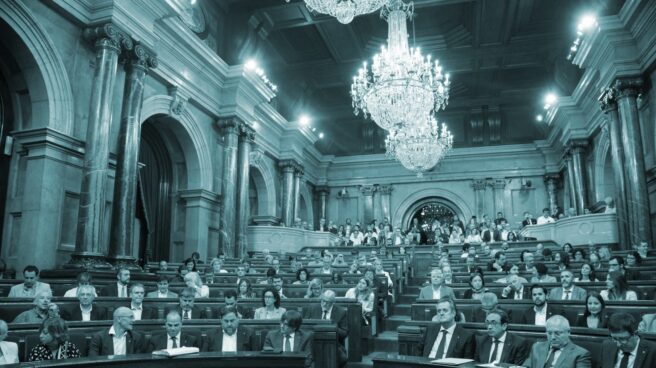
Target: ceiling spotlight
321	135
549	100
586	23
304	120
539	118
250	64
193	2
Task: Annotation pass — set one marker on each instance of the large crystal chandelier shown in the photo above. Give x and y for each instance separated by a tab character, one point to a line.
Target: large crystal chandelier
419	148
402	87
344	10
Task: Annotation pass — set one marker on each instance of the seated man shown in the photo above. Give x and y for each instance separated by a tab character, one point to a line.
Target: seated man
162	289
446	339
40	311
173	337
329	311
31	286
541	274
186	307
558	351
277	284
568	291
83	278
141	312
86	310
8	349
230	300
540	311
121	287
515	289
499	262
647	323
437	289
231	337
489	303
625	348
119	339
499	345
289	338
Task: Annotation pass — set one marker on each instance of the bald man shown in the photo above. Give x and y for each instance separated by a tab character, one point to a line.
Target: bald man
119	339
558	351
329	311
8	349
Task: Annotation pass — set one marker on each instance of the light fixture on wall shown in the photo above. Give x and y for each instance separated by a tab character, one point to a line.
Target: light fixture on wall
344	10
342	193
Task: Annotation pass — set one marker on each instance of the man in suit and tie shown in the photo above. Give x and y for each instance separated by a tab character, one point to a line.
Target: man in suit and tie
437	289
121	287
558	351
173	337
329	311
626	349
515	290
541	311
162	289
446	339
186	307
8	349
231	337
141	312
499	345
489	303
230	300
119	339
568	291
290	337
86	310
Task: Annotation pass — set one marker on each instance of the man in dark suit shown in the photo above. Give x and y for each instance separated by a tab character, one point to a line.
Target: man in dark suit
230	299
173	337
86	310
121	287
141	312
528	219
541	311
290	338
128	341
186	307
230	337
162	289
558	351
625	345
328	310
446	339
489	303
515	290
500	346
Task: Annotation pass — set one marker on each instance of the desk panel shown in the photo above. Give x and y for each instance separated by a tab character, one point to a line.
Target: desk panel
405	361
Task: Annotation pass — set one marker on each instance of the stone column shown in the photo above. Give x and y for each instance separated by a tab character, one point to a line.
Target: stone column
298	175
322	192
245	142
609	106
551	182
577	151
288	168
385	203
634	161
499	186
368	194
125	183
109	42
479	196
230	128
567	157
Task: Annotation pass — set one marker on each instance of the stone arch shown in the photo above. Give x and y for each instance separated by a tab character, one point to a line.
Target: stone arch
410	204
264	180
53	77
194	147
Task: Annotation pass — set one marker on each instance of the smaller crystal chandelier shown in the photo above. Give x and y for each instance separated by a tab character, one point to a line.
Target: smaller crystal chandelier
344	10
419	148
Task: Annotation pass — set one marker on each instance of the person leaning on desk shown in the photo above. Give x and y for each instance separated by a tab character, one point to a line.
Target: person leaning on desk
290	338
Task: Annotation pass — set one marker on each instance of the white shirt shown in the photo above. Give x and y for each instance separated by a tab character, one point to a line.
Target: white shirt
169	341
502	340
436	293
120	342
160	295
122	290
86	315
330	311
545	220
357	238
291	341
541	316
632	357
229	343
137	312
436	345
519	293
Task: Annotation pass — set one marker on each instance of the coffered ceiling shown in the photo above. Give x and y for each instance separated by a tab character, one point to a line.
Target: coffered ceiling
503	56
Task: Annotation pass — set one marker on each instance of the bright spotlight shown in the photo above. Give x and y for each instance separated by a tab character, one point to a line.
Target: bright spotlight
320	135
250	64
193	2
304	120
549	100
539	118
587	22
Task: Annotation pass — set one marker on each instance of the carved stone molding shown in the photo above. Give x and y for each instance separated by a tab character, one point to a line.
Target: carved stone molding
608	99
230	125
628	87
385	189
179	103
496	183
108	36
551	178
291	165
577	146
367	190
256	157
246	133
479	184
141	57
322	190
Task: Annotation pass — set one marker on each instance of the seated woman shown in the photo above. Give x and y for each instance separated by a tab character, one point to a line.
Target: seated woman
512	237
193	280
364	294
314	290
647	323
245	290
586	274
473	237
618	288
594	316
567	247
633	259
512	270
579	255
271	306
454	238
476	287
190	265
302	277
54	345
216	268
336	279
562	260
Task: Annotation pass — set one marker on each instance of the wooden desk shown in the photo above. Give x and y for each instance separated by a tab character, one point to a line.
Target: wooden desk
200	360
406	361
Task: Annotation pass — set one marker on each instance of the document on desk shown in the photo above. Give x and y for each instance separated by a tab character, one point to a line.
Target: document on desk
452	361
176	351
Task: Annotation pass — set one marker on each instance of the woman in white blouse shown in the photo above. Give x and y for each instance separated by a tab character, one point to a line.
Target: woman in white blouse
271	306
193	280
618	288
363	293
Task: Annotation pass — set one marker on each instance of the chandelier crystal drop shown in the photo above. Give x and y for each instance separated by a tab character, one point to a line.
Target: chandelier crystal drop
401	87
419	148
344	10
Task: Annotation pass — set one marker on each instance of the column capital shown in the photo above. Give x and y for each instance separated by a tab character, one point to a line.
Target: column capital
608	99
141	57
246	133
628	87
496	183
367	190
577	146
290	166
322	190
230	125
385	189
479	184
553	178
108	36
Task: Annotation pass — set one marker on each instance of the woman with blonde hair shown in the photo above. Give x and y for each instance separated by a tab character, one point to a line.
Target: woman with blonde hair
193	280
364	294
314	290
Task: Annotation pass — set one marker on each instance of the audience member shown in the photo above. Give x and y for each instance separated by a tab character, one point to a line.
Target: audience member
141	312
647	323
489	302
586	274
515	289
643	249
633	259
436	289
541	311
245	290
173	337
447	339
85	310
336	279
186	307
625	347
339	261
231	338
120	288
190	265
290	338
314	290
528	262
83	278
53	335
568	291
119	339
499	262
541	274
163	266
8	349
499	345
271	308
278	283
327	310
616	263
162	289
562	260
30	286
594	315
617	288
302	277
595	262
193	281
363	293
40	311
230	300
510	271
579	255
558	351
545	218
476	287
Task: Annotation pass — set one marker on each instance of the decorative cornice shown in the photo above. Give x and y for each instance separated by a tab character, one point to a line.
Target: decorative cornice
577	146
367	190
479	184
552	178
608	100
230	125
141	57
290	165
108	36
385	189
246	133
628	87
322	190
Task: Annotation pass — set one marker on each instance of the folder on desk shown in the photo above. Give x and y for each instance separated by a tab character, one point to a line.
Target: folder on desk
452	361
176	351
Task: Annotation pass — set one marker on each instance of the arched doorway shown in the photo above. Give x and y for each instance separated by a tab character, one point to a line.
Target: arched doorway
429	208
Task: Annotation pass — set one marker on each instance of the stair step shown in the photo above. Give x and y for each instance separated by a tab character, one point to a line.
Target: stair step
407	298
387	341
392	323
402	309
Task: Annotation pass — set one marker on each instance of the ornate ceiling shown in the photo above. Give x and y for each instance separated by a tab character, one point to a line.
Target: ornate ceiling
503	56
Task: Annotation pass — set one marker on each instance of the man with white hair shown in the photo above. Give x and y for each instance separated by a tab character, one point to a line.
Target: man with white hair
8	349
119	339
40	311
558	351
86	310
327	310
436	289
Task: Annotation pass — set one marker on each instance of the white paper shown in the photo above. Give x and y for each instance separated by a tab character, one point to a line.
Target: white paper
176	351
452	361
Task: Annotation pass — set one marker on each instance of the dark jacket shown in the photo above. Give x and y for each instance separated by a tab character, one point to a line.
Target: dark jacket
337	315
528	317
75	314
582	321
196	312
103	344
244	340
645	358
146	312
302	343
159	341
462	345
112	290
515	349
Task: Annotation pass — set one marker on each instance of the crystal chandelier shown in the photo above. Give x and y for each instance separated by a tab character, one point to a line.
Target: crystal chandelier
344	10
402	87
419	148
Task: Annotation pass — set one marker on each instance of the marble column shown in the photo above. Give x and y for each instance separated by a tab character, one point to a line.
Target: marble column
577	150
634	161
109	42
288	168
385	201
571	186
479	196
551	182
608	101
245	144
298	176
499	186
368	194
230	128
322	192
125	183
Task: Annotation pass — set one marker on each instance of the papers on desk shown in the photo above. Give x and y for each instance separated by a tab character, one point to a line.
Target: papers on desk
452	361
176	351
